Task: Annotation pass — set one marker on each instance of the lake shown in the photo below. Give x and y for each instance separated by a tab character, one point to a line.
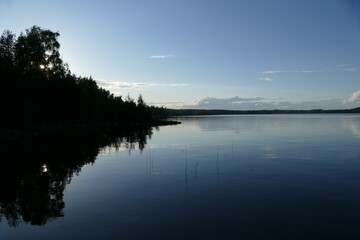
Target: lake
211	177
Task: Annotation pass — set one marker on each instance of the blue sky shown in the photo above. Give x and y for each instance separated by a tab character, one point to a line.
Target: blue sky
232	54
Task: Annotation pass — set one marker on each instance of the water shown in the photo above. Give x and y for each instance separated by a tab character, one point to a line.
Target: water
212	177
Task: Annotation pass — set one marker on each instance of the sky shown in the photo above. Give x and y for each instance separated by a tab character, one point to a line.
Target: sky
207	54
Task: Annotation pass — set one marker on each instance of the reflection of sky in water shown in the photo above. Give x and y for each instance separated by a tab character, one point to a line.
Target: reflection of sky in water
283	174
243	129
353	123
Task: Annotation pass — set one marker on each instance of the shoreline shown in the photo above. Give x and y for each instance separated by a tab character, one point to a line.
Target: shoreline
54	130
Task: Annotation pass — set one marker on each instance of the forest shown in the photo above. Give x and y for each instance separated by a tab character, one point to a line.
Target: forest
37	88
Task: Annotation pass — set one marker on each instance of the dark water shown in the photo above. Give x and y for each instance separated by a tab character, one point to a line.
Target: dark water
218	177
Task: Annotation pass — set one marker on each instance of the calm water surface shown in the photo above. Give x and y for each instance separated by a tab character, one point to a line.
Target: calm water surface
212	177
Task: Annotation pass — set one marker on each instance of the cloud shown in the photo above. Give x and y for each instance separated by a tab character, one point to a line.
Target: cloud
348	69
304	71
211	103
113	85
161	56
266	79
124	85
272	72
354	98
342	65
168	104
294	71
223	103
339	67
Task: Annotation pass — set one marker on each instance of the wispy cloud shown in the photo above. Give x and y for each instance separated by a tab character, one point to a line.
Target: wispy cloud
272	72
305	71
111	85
124	85
294	71
266	79
223	103
168	104
348	69
212	103
161	56
341	65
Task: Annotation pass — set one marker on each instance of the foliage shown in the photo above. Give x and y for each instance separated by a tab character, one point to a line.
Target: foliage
37	88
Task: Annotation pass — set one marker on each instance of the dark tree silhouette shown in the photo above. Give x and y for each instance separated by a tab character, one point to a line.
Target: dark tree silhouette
7	50
37	87
39	49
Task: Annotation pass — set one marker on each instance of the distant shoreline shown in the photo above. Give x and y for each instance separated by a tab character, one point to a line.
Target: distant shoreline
192	112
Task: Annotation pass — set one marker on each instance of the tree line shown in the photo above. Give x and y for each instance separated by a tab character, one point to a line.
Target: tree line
37	87
161	112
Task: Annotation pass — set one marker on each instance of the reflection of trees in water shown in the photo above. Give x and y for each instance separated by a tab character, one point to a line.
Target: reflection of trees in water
34	173
136	140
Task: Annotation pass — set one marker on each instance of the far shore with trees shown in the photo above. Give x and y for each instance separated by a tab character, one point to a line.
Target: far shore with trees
165	112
